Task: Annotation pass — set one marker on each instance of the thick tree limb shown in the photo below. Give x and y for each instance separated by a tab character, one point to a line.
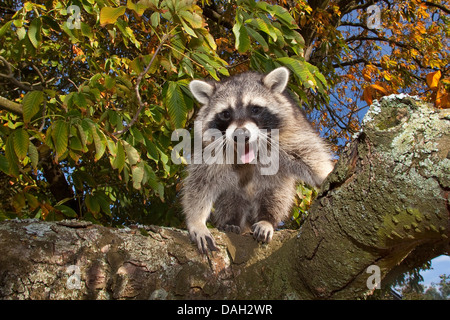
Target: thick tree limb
385	205
10	106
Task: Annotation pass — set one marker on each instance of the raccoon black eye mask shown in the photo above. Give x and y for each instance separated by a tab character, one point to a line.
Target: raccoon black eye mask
261	128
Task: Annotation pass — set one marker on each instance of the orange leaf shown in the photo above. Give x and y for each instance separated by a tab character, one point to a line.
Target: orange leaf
379	88
368	71
367	95
442	100
433	79
374	91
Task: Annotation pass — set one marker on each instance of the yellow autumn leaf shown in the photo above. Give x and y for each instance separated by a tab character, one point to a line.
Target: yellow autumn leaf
387	76
433	79
110	15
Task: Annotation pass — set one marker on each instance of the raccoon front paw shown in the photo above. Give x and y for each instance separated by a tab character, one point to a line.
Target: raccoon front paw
231	228
203	238
262	231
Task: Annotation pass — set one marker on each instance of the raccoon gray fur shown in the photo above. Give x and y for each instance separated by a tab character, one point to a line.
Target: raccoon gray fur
244	199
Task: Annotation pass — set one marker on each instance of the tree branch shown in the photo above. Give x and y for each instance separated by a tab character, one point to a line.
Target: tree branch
381	39
22	85
210	12
10	106
385	202
437	5
138	83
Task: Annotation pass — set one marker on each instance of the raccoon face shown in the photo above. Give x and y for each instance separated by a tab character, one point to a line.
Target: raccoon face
243	108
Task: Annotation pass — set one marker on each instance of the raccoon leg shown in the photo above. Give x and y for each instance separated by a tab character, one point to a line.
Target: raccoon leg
312	162
198	231
231	212
275	205
312	171
197	199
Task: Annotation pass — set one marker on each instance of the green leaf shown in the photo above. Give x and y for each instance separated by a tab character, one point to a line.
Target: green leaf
60	137
139	7
110	15
132	153
92	204
18	201
99	142
176	105
104	202
11	156
136	133
34	32
259	24
193	19
6	27
297	67
242	38
283	15
137	173
4	164
21	33
152	150
259	38
155	18
188	29
33	202
21	141
79	99
119	160
33	154
152	180
31	104
86	30
83	137
67	211
75	143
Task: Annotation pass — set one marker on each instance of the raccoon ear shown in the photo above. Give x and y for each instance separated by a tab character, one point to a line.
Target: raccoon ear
201	90
277	79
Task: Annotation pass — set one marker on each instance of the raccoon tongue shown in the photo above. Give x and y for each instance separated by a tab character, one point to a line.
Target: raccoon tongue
248	156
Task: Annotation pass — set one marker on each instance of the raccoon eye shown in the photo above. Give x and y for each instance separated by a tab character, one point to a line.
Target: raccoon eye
256	110
225	115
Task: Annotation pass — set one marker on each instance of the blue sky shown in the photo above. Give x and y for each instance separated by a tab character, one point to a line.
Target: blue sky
439	265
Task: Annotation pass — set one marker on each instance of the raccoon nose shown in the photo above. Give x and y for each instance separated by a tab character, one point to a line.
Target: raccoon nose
241	135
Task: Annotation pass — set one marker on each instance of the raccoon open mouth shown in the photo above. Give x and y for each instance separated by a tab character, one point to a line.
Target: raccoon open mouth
245	152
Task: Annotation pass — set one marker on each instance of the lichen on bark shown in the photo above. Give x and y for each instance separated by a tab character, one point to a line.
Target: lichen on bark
388	193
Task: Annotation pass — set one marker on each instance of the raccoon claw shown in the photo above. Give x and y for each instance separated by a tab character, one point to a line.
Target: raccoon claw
204	241
262	231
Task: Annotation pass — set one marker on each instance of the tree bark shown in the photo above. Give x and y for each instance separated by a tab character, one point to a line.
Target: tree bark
384	205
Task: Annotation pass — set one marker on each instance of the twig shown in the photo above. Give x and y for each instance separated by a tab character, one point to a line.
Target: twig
73	83
22	85
136	87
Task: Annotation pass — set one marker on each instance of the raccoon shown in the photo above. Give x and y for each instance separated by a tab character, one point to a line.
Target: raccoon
239	116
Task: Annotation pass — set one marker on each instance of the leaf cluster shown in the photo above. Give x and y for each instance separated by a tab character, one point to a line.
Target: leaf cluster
102	85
